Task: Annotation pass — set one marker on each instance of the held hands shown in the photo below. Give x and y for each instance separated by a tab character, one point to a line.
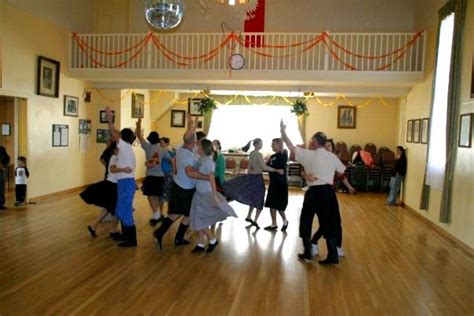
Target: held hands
139	123
127	170
309	177
280	171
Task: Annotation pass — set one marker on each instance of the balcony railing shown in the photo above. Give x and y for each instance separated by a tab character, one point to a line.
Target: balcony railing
393	52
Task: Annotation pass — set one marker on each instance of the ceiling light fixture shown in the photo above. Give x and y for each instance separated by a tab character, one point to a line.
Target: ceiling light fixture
164	14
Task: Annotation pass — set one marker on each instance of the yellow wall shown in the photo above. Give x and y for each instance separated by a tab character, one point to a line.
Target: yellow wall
375	122
163	125
417	105
59	168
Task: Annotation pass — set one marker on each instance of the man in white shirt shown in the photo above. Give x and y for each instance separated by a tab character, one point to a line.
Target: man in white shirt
182	191
125	180
320	197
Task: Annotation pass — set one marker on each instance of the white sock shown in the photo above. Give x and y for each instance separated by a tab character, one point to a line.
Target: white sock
201	245
156	215
213	241
314	249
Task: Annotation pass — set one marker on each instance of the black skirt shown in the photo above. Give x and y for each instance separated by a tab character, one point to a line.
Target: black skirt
181	199
103	194
153	186
277	196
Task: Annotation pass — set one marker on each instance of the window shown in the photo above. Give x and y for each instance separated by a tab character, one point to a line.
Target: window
437	148
235	125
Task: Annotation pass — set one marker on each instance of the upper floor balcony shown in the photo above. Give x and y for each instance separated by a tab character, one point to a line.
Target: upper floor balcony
325	62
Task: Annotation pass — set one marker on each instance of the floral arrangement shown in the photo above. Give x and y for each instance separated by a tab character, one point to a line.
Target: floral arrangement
207	105
299	108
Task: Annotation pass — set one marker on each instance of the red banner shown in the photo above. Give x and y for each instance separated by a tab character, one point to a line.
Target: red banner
255	22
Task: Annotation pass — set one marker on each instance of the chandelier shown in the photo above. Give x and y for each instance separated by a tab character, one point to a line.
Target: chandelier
164	14
247	6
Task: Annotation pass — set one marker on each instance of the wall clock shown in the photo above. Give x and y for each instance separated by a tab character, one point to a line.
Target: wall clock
236	61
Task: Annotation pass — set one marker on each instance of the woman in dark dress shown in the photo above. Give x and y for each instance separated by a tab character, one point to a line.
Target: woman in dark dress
249	189
104	195
398	173
277	196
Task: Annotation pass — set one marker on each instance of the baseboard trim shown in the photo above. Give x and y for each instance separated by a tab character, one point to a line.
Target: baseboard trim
455	242
63	193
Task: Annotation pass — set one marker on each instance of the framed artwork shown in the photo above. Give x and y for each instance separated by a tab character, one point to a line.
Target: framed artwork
410	131
84	126
199	124
6	129
138	104
465	130
416	130
194	107
425	125
71	105
103	117
87	96
103	135
346	116
178	118
47	78
60	137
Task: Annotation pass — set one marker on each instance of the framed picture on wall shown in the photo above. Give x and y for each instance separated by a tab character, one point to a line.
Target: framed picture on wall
103	117
409	131
138	105
178	118
465	130
6	129
84	126
346	116
103	135
71	105
425	123
60	136
194	107
47	77
416	130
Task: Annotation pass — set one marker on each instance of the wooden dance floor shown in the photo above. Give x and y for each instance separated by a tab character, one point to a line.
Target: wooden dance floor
394	264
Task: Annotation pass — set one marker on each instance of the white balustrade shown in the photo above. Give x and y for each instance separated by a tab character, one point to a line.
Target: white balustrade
401	52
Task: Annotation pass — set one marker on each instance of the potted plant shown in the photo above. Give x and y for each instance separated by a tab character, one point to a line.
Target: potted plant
299	108
207	105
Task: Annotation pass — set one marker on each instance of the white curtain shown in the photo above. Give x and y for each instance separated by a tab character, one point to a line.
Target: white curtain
437	149
235	125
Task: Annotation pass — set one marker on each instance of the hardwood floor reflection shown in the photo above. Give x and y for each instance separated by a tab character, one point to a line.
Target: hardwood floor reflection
394	264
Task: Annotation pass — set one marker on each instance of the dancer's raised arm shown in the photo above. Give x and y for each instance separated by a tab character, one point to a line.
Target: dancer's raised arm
285	138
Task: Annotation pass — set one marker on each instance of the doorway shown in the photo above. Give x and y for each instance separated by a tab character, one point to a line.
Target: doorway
13	133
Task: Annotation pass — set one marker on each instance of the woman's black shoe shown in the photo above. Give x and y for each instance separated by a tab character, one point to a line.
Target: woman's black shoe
198	249
254	223
211	247
271	228
91	231
154	221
